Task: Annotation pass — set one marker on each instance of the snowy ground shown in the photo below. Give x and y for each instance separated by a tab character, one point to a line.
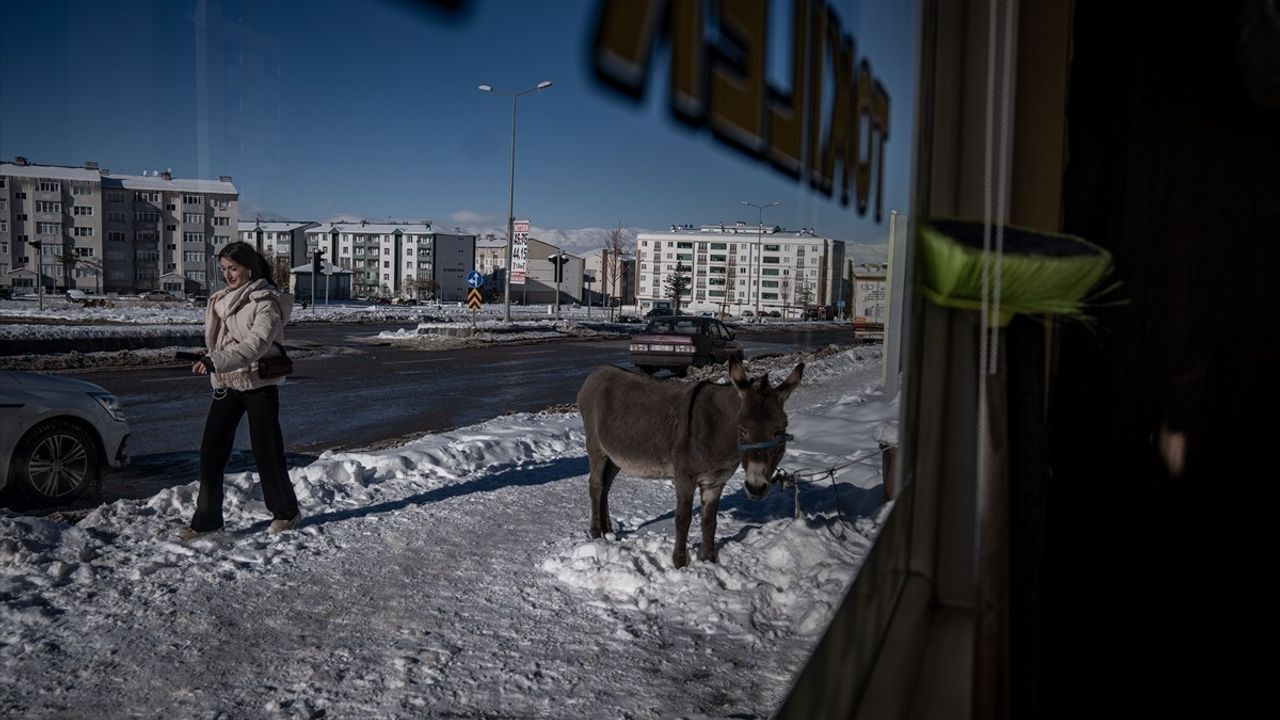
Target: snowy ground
451	576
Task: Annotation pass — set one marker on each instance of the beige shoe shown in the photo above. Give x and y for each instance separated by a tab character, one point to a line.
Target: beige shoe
279	526
190	533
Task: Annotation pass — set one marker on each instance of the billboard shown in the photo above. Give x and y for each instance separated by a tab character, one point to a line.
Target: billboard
519	251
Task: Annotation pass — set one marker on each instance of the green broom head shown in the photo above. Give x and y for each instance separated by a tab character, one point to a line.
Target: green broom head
1040	273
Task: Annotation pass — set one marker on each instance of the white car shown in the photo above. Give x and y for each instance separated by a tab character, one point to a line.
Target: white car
156	295
57	435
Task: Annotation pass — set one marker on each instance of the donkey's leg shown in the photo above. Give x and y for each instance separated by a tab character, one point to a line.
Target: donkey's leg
597	460
710	504
607	474
684	515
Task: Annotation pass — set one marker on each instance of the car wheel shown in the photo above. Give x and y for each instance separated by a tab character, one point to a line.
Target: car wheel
55	462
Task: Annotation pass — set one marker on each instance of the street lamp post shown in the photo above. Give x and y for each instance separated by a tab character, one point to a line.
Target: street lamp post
511	197
759	256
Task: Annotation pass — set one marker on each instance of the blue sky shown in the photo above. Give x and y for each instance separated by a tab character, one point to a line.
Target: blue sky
319	109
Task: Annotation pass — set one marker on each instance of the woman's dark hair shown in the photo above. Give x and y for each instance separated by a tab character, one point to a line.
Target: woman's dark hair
246	255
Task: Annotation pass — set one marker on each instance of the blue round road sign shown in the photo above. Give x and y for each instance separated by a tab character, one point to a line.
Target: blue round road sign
474	279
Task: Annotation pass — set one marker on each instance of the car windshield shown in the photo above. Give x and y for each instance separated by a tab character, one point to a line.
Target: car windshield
675	326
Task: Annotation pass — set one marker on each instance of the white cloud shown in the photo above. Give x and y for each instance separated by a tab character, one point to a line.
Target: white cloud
470	216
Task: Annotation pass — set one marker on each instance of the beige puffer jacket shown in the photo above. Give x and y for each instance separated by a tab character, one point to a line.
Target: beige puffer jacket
252	327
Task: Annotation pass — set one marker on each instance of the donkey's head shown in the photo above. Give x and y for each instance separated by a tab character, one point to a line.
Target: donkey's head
762	424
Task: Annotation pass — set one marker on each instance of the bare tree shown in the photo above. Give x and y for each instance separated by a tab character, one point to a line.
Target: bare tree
426	288
616	250
730	279
71	261
280	270
677	284
784	290
804	293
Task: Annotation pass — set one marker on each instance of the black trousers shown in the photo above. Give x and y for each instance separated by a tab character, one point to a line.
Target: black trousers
263	408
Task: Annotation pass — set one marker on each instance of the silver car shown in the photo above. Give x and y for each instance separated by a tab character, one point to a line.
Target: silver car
57	435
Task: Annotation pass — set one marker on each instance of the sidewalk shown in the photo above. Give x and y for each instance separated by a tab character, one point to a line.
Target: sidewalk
452	575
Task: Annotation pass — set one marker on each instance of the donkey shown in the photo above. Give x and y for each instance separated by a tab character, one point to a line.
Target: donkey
696	434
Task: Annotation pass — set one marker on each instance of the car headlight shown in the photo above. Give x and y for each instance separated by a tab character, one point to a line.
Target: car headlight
110	404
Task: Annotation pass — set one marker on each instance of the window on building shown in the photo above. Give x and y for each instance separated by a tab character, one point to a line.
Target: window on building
191	199
83	232
193	218
48	186
193	237
82	210
115	216
115	197
44	206
115	237
220	221
48	229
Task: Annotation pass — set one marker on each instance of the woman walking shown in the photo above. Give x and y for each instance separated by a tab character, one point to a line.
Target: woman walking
243	323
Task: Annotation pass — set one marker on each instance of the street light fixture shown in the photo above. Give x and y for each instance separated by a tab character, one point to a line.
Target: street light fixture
759	256
511	197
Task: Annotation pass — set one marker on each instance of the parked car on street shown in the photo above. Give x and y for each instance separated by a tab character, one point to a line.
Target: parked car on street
658	312
679	342
77	296
156	295
57	435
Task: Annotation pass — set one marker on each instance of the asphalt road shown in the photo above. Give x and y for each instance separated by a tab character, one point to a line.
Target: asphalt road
347	393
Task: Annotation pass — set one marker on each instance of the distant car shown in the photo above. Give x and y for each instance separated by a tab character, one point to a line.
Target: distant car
77	296
156	295
748	313
659	312
774	313
57	435
679	342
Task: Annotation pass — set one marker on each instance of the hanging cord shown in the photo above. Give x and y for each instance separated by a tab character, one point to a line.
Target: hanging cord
1006	130
994	211
795	478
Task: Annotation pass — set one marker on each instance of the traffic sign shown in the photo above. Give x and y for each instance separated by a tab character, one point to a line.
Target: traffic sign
475	279
473	298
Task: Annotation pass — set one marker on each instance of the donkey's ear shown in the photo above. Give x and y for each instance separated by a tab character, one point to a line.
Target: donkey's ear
738	375
791	382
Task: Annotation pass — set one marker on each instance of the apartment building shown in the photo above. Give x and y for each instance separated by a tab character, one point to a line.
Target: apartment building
284	239
539	286
615	276
82	227
407	260
740	267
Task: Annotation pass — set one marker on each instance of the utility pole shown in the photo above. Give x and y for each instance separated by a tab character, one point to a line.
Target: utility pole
759	250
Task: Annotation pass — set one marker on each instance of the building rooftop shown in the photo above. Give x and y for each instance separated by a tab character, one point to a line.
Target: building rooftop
51	172
170	184
369	228
274	225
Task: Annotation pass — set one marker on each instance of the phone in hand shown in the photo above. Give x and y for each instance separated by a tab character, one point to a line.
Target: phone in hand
186	356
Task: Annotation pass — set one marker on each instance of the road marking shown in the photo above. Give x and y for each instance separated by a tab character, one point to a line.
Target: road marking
538	352
177	379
